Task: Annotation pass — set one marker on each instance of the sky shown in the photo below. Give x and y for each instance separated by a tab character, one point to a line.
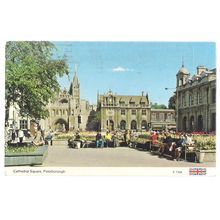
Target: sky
128	68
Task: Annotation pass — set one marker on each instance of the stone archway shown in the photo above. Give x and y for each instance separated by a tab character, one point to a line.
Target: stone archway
61	125
123	125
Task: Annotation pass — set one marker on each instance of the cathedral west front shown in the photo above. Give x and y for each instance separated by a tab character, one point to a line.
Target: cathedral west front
68	111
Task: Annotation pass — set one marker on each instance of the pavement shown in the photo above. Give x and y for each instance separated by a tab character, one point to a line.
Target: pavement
60	155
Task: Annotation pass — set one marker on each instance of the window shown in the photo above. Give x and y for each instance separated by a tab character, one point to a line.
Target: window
190	100
144	112
132	103
133	112
165	116
122	103
23	124
153	116
213	95
123	112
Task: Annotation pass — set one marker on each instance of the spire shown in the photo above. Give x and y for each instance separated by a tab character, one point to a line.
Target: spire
182	61
75	69
75	78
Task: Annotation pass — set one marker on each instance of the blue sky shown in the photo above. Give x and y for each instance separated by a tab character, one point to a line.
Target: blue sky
128	68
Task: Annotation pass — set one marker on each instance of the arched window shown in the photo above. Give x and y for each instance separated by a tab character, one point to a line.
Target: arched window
144	125
184	123
123	125
63	101
200	123
192	123
133	125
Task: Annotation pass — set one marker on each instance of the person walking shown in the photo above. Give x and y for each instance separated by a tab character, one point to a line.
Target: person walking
13	135
20	136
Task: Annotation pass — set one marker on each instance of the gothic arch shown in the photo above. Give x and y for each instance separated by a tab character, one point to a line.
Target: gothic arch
61	125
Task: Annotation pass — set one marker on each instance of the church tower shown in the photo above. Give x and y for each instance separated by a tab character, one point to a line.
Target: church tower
76	87
182	76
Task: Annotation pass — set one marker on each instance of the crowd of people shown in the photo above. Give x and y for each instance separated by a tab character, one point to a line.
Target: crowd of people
165	142
20	137
173	146
107	139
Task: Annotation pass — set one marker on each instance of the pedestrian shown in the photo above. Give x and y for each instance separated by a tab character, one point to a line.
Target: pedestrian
13	135
21	136
49	138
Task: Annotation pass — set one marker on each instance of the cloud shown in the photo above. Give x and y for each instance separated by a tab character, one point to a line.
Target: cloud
120	69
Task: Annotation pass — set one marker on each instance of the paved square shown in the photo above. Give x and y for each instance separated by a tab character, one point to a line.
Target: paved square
62	156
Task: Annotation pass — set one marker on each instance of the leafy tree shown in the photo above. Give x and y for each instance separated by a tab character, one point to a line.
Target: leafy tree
157	106
31	76
94	120
172	102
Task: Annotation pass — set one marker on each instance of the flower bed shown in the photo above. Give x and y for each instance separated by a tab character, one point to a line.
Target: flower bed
22	156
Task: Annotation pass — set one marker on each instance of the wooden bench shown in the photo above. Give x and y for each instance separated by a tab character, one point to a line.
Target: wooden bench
189	149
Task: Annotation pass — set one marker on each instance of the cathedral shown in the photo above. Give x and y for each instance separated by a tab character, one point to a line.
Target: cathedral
68	111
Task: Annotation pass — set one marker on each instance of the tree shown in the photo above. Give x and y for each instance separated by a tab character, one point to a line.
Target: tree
157	106
31	76
172	102
94	120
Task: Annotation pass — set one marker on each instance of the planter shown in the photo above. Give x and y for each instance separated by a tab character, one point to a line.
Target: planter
34	158
206	156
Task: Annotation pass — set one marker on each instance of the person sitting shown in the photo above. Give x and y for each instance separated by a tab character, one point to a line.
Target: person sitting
108	138
154	138
115	139
38	139
178	149
77	140
99	141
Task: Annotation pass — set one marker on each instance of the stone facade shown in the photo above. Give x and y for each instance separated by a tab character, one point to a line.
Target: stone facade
163	119
123	112
68	111
133	112
196	100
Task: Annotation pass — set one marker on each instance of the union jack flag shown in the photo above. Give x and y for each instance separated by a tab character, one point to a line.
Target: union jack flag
197	171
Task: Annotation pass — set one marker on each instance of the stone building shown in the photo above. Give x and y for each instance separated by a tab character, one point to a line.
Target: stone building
124	112
133	112
163	119
196	100
68	111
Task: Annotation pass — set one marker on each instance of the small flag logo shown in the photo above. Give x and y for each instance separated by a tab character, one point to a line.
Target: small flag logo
197	171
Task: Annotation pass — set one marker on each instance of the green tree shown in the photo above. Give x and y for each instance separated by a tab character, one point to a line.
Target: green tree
158	106
172	102
31	76
94	120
